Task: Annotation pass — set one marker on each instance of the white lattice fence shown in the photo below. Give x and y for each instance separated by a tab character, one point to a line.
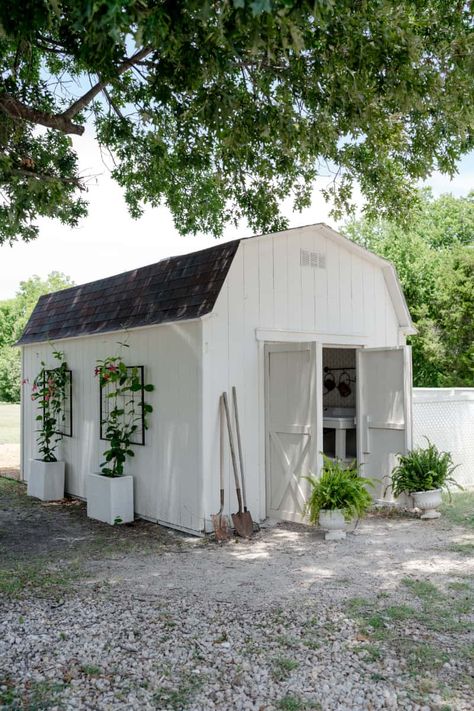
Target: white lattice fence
446	417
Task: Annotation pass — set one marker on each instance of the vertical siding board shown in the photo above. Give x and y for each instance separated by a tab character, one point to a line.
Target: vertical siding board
210	437
216	336
294	282
236	328
369	300
280	253
248	401
379	306
266	281
307	285
357	294
345	298
333	292
321	288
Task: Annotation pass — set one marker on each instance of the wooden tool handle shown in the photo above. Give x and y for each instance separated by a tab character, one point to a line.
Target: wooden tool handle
232	450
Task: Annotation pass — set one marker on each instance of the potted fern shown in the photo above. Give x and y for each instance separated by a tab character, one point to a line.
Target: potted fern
339	495
423	473
110	492
46	479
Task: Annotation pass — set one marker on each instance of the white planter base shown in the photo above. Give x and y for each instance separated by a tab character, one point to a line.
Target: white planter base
430	514
428	501
334	524
334	535
46	480
110	499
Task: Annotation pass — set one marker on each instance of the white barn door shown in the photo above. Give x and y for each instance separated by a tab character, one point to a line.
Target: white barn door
384	423
290	427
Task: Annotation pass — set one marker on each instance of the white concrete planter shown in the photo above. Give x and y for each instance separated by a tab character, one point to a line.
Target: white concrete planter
428	501
46	481
333	522
110	499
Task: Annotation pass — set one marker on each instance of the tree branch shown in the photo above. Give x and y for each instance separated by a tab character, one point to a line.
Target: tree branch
21	172
81	103
16	109
112	105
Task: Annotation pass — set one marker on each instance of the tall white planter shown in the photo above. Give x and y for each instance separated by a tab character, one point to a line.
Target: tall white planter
46	480
333	522
110	499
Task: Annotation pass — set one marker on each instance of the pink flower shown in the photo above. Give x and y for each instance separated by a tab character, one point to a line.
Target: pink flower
97	370
46	397
34	388
25	380
112	368
33	397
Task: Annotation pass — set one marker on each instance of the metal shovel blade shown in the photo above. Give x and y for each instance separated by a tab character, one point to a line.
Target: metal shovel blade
220	527
243	524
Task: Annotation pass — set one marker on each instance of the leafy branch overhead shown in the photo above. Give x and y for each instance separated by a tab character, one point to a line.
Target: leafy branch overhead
222	108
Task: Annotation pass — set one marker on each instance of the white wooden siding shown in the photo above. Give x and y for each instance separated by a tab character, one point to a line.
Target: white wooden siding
167	470
268	289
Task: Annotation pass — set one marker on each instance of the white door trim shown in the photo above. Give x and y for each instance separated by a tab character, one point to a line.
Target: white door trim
274	336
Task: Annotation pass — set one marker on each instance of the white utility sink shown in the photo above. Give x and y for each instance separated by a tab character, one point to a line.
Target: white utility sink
339	419
339	423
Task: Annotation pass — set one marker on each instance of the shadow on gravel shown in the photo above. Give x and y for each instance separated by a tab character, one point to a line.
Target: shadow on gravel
40	538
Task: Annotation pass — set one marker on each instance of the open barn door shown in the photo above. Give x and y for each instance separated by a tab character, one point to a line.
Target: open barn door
290	427
384	424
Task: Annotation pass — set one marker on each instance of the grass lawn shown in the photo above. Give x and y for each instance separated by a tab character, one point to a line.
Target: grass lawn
460	509
9	423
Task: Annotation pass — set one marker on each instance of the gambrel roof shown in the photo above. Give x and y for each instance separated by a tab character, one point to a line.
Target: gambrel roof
175	289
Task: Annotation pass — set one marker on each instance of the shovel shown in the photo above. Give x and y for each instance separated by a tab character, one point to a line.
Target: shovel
246	514
242	520
219	521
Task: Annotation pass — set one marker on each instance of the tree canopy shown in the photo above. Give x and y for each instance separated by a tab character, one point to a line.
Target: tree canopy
219	109
434	258
14	313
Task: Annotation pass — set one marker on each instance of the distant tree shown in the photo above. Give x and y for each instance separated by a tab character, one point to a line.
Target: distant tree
222	108
434	258
456	317
14	313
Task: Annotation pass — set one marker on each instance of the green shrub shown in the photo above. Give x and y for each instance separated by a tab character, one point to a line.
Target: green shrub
423	470
338	487
10	374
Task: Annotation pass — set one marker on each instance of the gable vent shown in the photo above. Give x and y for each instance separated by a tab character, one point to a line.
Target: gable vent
316	260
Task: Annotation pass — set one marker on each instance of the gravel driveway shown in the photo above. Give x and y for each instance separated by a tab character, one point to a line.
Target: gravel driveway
140	618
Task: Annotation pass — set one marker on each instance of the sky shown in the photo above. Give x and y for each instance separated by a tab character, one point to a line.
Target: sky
108	241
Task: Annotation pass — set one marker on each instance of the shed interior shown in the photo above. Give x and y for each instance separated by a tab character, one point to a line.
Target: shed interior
339	403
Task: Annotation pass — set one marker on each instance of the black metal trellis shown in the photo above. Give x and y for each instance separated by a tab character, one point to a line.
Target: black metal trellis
66	409
129	402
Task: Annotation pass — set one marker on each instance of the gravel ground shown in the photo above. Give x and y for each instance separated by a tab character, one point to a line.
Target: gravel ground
382	620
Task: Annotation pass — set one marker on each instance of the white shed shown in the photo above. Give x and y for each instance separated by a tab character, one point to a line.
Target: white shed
307	325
